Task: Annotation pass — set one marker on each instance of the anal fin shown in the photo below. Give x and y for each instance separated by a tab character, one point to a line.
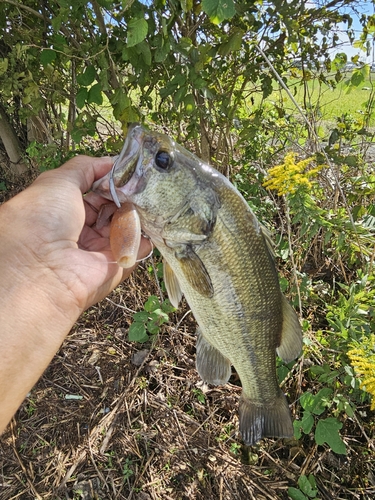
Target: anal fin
291	336
212	366
258	420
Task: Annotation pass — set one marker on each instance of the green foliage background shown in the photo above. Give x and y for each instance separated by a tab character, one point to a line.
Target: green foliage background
73	74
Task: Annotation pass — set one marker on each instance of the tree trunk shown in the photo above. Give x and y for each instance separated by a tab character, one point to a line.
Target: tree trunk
11	143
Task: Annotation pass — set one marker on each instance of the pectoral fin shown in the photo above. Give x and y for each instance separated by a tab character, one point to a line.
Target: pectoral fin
291	336
195	272
212	366
171	284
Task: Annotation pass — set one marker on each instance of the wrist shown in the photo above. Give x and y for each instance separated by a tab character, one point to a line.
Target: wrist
36	314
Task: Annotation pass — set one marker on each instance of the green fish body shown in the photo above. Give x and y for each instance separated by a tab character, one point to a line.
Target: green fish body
218	255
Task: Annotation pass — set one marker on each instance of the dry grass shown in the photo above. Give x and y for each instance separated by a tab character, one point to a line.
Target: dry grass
153	431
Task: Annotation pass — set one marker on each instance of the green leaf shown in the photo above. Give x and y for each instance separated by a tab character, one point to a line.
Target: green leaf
87	77
233	44
167	307
153	328
189	102
282	372
218	10
159	317
308	485
180	94
144	50
284	284
162	52
47	56
59	42
3	65
107	4
81	97
357	77
95	95
137	332
137	31
297	429
120	102
307	422
339	61
77	135
129	115
295	494
304	425
316	403
186	5
152	303
327	431
3	186
141	316
267	86
120	98
178	81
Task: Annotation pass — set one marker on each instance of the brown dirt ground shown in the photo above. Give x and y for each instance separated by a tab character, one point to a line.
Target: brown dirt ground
145	432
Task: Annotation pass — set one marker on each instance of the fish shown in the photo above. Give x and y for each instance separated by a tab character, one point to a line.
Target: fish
218	255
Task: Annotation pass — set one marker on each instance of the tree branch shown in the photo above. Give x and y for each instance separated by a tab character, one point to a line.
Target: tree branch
24	7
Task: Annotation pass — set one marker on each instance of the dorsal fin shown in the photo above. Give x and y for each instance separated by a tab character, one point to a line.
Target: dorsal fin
268	239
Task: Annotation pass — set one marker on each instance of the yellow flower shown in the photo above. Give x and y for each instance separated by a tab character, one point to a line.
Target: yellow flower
291	175
362	357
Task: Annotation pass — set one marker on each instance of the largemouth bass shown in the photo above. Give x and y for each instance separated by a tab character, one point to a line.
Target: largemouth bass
218	255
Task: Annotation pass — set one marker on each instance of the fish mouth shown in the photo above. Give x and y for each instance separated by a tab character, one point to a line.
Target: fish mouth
126	163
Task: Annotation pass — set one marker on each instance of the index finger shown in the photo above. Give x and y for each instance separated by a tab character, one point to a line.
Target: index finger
82	171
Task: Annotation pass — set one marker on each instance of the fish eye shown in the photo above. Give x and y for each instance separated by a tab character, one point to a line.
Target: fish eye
163	160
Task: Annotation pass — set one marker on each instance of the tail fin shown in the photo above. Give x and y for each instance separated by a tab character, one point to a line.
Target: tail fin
258	420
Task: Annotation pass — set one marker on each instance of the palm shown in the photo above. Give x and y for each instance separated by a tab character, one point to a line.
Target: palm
69	243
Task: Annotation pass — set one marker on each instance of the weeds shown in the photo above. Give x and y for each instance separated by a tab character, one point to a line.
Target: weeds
199	395
362	357
149	321
127	470
306	488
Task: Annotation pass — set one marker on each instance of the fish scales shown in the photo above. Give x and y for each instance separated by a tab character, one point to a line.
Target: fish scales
247	303
217	254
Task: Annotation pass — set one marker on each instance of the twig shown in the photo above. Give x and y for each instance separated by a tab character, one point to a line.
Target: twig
96	467
24	470
369	441
156	278
120	306
24	7
291	253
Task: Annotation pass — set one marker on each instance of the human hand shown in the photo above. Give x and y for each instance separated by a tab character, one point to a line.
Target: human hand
55	226
54	263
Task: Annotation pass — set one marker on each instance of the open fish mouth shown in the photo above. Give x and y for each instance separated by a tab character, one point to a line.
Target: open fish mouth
126	163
